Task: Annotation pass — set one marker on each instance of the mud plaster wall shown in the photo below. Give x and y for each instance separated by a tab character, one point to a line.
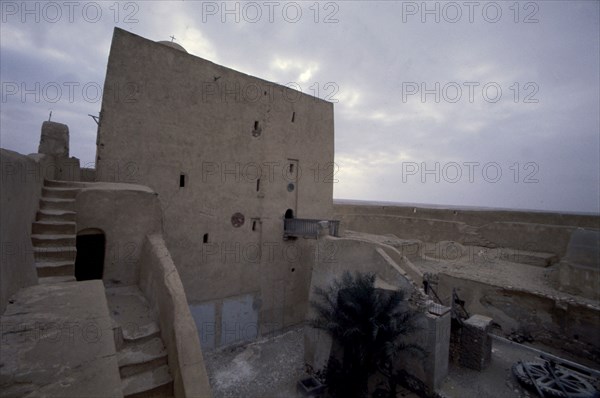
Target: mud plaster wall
523	230
334	256
169	118
126	214
22	180
161	284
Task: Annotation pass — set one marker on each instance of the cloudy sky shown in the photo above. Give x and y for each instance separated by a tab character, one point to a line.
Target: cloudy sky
492	104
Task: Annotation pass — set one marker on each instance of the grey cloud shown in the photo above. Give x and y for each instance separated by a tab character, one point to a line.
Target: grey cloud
369	54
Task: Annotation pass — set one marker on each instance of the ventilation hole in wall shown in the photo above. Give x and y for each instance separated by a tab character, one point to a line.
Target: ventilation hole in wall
455	212
293	116
181	180
257	184
265	93
293	269
254	225
205	238
257	129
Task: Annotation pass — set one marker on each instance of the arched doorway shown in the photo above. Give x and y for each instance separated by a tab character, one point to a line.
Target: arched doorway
289	213
89	262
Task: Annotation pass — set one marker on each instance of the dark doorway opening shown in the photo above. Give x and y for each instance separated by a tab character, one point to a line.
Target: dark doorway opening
289	213
89	262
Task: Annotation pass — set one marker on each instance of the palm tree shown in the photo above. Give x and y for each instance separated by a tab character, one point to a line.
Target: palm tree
368	324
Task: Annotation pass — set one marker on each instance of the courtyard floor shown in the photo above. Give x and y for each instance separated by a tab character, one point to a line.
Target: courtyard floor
270	368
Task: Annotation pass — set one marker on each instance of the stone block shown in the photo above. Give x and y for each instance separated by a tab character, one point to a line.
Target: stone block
476	343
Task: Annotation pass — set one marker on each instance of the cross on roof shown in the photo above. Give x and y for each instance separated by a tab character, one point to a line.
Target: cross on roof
172	38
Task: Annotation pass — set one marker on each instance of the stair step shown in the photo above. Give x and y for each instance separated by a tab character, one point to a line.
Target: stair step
54	227
48	240
55	215
59	253
57	204
60	192
155	381
133	333
56	279
55	268
64	184
140	357
130	310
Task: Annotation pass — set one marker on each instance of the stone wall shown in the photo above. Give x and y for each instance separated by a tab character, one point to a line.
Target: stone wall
471	343
549	320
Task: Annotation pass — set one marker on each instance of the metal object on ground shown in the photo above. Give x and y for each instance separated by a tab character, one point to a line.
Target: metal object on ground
552	380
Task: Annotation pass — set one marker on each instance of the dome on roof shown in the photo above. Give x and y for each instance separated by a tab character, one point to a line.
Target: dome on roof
173	45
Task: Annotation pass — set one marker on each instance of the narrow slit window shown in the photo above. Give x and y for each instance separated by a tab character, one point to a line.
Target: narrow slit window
293	116
254	225
256	125
181	180
205	238
257	184
291	168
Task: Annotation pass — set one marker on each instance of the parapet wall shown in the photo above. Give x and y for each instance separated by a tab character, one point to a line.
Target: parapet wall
523	230
160	282
22	179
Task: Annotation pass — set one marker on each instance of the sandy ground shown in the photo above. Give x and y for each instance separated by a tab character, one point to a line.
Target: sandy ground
270	368
492	266
267	368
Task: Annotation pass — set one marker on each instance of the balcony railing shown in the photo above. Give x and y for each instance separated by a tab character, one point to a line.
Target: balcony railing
303	227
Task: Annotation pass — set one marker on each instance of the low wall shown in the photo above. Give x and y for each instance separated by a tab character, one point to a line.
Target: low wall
126	213
523	230
160	282
476	216
22	180
335	256
563	324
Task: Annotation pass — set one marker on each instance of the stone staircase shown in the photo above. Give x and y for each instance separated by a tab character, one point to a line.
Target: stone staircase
54	233
141	353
